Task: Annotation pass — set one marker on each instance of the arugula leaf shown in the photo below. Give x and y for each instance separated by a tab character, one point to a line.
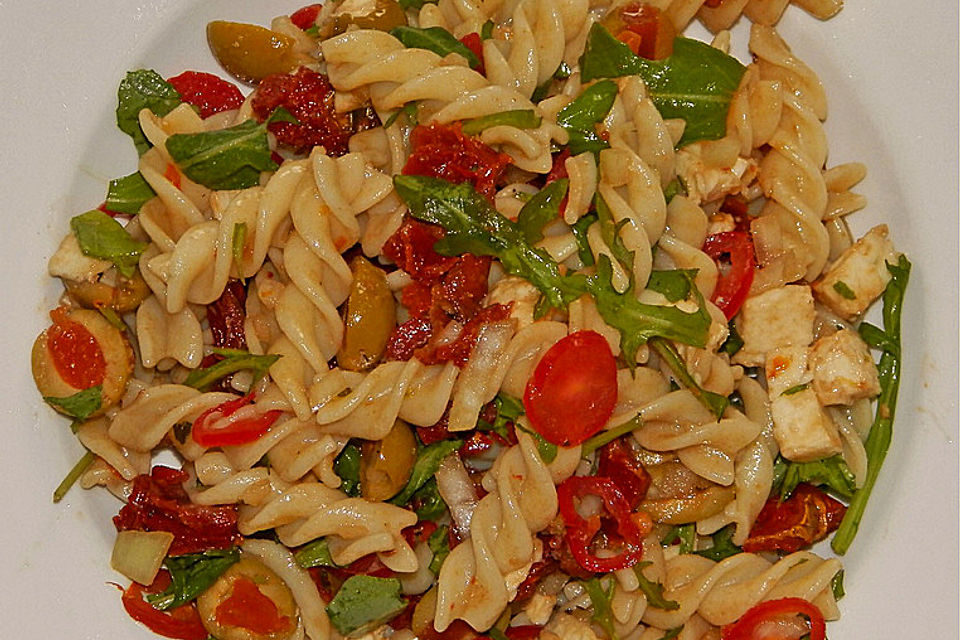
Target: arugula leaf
486	31
347	466
519	118
606	437
473	226
547	450
239	240
639	322
427	502
836	585
831	473
409	109
495	634
363	603
229	158
601	597
878	440
72	476
844	290
581	117
610	232
674	188
674	285
696	83
234	360
797	388
685	534
191	574
579	230
672	633
100	236
436	39
606	57
426	465
439	544
734	342
653	590
714	402
143	89
508	410
315	554
723	546
80	405
542	209
128	194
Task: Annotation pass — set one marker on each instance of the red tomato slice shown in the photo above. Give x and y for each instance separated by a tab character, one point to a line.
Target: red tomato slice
733	253
748	625
573	390
242	431
181	623
207	92
75	352
306	17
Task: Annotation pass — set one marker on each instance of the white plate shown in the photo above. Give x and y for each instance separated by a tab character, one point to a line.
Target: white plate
891	76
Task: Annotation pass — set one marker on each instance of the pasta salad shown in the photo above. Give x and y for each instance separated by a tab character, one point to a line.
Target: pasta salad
480	319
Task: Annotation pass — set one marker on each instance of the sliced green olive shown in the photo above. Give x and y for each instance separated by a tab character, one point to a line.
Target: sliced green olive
385	465
123	297
679	496
238	600
369	317
58	364
250	52
381	15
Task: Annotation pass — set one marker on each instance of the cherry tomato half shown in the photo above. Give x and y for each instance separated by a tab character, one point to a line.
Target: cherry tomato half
573	390
733	253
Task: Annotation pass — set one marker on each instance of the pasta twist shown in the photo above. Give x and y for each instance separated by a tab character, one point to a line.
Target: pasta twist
481	575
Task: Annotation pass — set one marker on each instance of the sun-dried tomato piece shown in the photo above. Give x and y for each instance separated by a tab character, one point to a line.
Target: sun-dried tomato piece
443	151
207	92
458	351
308	96
807	516
411	247
158	502
226	316
306	17
620	464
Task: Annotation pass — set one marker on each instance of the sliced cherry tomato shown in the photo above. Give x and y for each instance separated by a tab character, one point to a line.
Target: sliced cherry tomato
748	626
306	17
733	253
806	517
580	532
573	390
247	608
75	352
206	433
207	92
181	623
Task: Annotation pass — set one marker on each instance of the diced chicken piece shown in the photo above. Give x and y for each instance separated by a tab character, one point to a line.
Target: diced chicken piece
781	317
843	370
858	276
70	263
786	368
521	293
802	428
705	180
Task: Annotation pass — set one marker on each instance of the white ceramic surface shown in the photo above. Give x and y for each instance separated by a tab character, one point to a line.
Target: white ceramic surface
891	74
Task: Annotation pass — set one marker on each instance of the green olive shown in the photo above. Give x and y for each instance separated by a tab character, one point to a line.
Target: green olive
385	465
124	297
56	370
250	52
382	15
423	613
234	588
369	317
679	496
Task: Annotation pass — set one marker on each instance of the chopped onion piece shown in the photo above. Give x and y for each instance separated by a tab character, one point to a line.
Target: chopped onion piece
139	554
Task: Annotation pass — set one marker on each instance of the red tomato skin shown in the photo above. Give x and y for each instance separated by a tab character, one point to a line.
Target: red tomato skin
743	629
473	42
180	623
248	608
734	285
209	93
573	390
241	432
306	17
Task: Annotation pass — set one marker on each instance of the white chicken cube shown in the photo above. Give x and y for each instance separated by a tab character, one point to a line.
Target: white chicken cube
781	317
843	370
858	276
786	368
802	428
